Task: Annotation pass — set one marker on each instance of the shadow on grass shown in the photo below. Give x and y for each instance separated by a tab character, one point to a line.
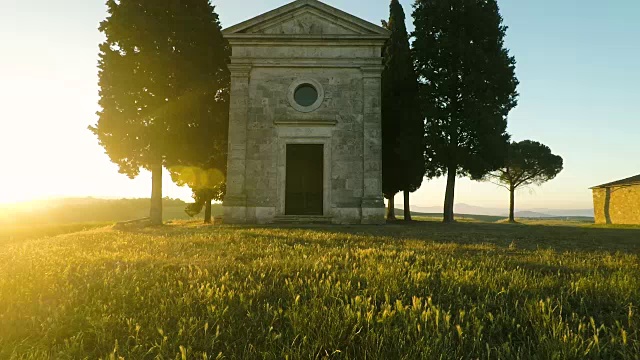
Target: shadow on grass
521	236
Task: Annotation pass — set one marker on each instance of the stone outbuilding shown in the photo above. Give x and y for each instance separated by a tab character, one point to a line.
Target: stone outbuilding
618	202
305	117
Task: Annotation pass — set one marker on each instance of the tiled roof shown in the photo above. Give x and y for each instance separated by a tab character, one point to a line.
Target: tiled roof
628	181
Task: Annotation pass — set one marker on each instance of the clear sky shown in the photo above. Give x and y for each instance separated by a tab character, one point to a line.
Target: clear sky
578	64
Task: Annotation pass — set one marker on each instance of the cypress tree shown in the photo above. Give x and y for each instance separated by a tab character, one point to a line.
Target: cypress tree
469	87
201	161
161	63
403	127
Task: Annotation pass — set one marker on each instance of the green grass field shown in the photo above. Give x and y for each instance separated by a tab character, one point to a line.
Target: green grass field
419	291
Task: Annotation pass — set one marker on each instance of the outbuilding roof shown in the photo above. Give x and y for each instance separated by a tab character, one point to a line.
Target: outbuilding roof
634	180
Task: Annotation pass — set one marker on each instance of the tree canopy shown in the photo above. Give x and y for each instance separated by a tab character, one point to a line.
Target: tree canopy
468	87
206	182
201	162
402	122
528	163
161	68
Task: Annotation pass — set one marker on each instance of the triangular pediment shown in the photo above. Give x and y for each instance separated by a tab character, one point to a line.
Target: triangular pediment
306	17
306	22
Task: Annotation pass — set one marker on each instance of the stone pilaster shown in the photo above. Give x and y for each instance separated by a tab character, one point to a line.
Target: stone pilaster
373	210
235	201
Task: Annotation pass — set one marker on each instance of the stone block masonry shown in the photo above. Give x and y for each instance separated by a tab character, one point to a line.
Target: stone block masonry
338	59
617	205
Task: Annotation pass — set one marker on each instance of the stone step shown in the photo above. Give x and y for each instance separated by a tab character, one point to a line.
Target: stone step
302	219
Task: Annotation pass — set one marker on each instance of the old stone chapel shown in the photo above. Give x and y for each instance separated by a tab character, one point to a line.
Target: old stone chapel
305	117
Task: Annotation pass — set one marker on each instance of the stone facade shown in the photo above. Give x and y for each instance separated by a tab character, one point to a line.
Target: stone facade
305	43
617	204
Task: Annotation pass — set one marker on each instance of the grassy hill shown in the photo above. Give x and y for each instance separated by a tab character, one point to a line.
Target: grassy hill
60	216
419	291
81	210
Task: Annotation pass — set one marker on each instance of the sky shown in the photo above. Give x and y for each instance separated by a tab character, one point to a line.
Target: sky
577	62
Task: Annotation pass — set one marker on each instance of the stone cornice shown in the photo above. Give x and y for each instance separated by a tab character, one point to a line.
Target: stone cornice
372	71
309	40
307	62
240	70
301	122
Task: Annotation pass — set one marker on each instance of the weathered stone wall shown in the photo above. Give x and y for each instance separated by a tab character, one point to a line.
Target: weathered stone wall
617	205
339	55
347	122
273	123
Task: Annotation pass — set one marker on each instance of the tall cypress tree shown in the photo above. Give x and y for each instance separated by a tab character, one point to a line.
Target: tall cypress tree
403	127
469	87
201	161
160	64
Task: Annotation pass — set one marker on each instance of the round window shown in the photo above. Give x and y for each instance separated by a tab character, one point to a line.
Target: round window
305	95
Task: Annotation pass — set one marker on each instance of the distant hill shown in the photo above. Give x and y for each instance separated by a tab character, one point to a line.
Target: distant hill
565	213
528	213
531	214
82	210
462	209
497	218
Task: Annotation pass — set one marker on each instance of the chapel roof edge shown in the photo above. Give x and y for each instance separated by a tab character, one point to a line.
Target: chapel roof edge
282	14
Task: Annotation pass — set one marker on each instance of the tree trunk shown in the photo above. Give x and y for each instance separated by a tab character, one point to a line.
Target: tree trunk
156	195
207	212
407	206
512	205
391	210
449	196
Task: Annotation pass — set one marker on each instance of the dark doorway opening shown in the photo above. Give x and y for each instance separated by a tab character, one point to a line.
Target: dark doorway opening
304	183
